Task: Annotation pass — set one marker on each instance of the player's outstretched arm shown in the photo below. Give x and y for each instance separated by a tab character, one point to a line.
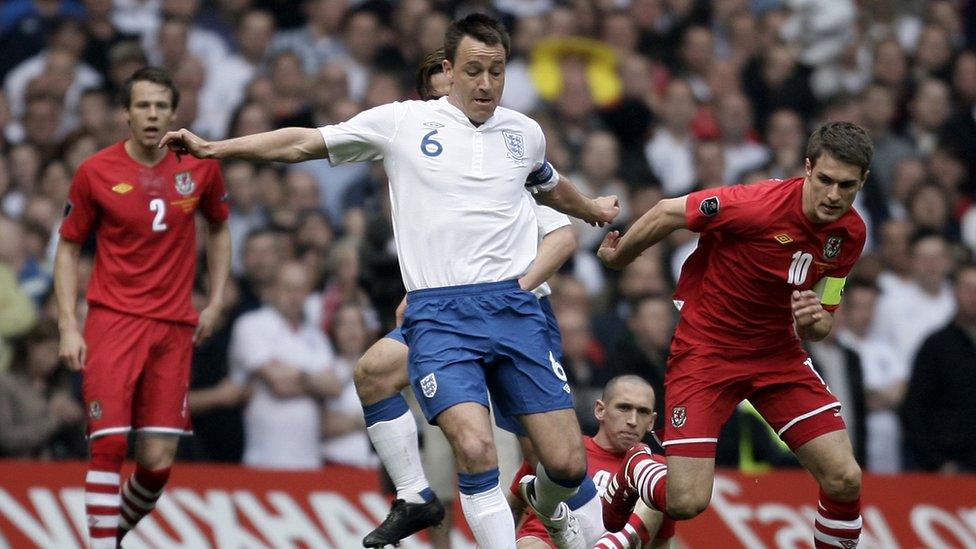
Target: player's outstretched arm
284	145
554	250
566	198
218	269
656	224
72	348
811	320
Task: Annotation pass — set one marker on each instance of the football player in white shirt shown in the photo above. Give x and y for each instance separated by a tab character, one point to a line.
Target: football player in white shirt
381	374
463	224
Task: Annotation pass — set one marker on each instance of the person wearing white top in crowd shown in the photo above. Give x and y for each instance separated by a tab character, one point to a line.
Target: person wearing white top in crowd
287	361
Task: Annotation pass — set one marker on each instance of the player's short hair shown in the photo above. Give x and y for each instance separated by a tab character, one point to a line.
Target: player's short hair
155	75
431	65
481	27
844	141
608	389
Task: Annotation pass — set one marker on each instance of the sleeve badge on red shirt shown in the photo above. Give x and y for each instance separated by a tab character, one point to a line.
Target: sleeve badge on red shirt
709	206
185	185
679	414
831	247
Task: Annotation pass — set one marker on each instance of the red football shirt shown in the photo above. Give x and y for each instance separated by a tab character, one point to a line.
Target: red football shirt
601	464
755	248
145	236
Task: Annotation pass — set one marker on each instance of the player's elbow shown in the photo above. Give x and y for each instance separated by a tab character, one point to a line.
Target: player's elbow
566	240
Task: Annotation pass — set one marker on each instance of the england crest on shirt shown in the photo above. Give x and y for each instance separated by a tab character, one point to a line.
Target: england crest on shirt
185	185
831	247
515	144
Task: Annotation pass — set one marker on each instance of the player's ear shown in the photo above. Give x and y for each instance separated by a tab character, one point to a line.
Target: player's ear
808	166
448	68
650	426
599	409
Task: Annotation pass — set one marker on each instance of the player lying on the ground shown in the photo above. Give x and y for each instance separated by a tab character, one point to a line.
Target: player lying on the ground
625	413
770	266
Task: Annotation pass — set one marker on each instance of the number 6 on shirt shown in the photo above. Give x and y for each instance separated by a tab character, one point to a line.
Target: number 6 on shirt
158	205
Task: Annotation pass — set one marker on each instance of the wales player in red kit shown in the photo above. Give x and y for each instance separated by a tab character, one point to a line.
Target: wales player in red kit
135	355
768	271
625	413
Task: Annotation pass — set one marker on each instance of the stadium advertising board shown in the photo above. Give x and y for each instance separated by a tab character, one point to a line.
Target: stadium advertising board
42	505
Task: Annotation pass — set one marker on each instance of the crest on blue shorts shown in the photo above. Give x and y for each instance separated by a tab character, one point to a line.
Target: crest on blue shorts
515	144
428	384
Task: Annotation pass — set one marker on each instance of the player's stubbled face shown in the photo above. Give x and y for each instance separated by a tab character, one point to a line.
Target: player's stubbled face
830	188
478	74
150	112
629	414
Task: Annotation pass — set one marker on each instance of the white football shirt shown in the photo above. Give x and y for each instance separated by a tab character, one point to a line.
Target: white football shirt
461	214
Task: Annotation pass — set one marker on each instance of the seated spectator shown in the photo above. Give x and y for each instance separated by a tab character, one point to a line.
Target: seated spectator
940	434
38	416
343	426
287	361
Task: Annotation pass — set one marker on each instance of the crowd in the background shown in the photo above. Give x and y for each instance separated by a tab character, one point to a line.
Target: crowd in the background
641	98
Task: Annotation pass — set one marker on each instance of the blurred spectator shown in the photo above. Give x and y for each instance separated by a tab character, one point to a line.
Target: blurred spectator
742	153
26	24
696	56
773	79
343	426
215	401
31	278
287	362
246	212
599	166
885	376
317	42
520	93
585	363
102	34
929	110
264	251
343	286
670	151
918	307
18	315
38	416
938	413
643	348
880	108
839	366
786	138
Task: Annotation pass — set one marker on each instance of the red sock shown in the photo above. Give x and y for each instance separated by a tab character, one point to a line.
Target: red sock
649	475
139	495
102	498
838	523
633	536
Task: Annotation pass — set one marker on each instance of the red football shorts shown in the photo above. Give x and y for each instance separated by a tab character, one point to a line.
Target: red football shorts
704	385
137	374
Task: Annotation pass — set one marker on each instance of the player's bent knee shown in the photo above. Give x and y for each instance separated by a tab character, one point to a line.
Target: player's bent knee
686	506
475	451
843	483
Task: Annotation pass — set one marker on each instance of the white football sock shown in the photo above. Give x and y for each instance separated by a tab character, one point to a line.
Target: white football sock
397	446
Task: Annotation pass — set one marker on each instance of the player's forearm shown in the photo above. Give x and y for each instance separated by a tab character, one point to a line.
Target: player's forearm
66	260
654	226
284	145
554	250
218	260
566	198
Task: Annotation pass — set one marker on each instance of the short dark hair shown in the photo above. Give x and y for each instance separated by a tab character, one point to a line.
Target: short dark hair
155	75
608	389
431	65
481	27
844	141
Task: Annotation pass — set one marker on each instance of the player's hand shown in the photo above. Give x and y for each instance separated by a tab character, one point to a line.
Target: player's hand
807	309
400	311
605	210
206	325
72	349
183	141
608	250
